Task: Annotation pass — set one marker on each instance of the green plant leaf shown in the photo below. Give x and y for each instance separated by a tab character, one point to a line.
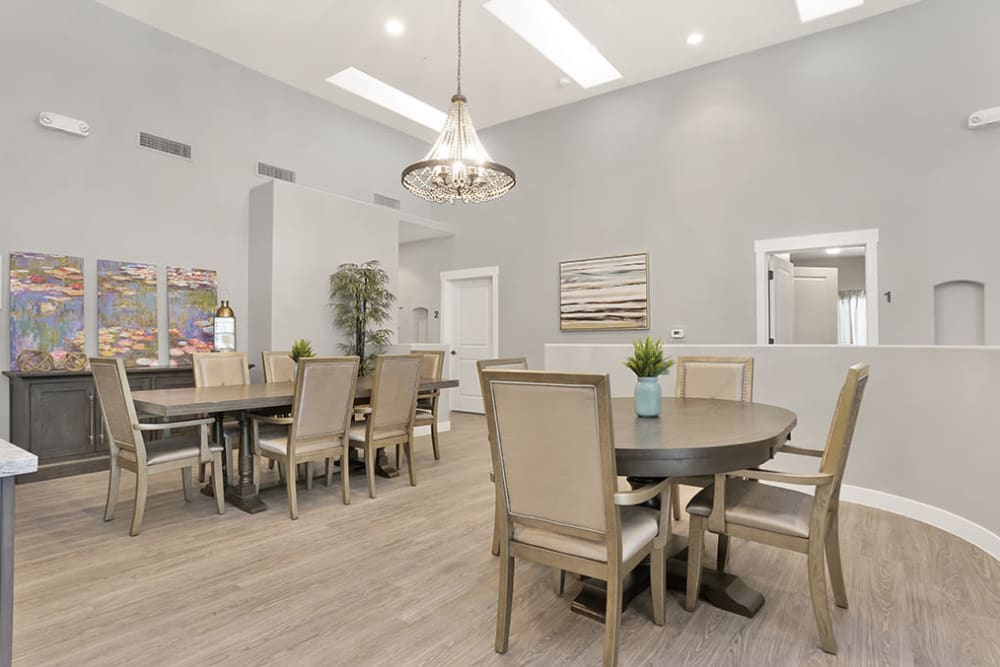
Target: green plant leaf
647	358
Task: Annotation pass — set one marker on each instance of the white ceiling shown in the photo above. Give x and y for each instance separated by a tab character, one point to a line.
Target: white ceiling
302	42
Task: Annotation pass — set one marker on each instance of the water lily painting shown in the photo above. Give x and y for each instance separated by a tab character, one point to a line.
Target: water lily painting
46	306
604	293
126	312
192	295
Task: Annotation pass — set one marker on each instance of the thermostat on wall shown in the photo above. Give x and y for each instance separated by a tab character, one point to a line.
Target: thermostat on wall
55	121
677	334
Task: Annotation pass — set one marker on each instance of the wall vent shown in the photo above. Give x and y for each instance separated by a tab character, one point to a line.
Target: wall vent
163	145
382	200
279	173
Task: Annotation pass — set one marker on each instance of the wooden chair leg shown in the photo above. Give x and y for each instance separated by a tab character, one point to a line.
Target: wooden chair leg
370	470
834	563
309	476
345	478
504	601
497	518
114	483
722	553
658	584
281	472
140	501
220	494
201	473
399	459
411	466
696	551
230	462
612	620
558	580
187	483
293	499
675	501
434	439
817	589
329	472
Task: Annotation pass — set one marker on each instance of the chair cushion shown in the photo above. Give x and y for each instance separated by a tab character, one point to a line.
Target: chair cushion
761	506
274	439
175	449
423	417
358	433
639	526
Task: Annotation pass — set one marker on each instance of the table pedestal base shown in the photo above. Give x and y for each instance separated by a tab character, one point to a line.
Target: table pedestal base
720	589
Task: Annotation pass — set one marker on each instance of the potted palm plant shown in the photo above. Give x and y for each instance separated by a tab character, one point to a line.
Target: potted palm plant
361	300
648	364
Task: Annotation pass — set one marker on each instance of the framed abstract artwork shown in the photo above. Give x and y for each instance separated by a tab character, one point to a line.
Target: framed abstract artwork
126	312
604	293
192	295
46	312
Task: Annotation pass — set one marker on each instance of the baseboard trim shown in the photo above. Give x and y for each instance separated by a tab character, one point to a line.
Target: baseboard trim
426	430
947	521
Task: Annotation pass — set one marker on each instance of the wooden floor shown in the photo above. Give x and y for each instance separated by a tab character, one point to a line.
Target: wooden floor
408	579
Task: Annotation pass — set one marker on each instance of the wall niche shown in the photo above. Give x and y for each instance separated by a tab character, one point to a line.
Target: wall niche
960	313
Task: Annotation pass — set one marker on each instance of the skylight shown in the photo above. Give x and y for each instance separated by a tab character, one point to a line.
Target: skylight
810	10
363	85
543	27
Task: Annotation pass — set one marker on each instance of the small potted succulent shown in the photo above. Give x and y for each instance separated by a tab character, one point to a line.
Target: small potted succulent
648	364
301	349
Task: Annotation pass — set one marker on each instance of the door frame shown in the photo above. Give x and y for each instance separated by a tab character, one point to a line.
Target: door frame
448	288
861	237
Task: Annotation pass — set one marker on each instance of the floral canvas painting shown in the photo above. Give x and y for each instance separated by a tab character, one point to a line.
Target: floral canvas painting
126	312
192	295
604	293
46	306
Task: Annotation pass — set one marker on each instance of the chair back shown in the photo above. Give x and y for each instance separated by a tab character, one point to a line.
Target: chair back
432	368
726	378
394	393
220	369
845	419
278	366
117	408
553	450
510	363
324	397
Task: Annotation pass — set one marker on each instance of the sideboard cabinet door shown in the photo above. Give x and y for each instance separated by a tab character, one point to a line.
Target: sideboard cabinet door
62	416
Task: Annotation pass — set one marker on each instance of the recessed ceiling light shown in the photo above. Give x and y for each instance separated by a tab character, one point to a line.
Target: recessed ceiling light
355	81
394	27
834	251
695	38
810	10
541	25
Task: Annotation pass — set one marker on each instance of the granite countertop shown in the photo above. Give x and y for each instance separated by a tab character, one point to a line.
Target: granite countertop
16	461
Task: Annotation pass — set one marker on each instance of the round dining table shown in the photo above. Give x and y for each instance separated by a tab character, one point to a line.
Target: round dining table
692	437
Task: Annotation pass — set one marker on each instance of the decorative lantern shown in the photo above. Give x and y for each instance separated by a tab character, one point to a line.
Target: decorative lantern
225	328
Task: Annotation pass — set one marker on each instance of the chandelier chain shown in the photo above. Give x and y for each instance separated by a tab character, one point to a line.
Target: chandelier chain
459	47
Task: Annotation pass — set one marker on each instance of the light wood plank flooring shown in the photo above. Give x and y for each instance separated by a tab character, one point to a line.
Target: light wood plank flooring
407	579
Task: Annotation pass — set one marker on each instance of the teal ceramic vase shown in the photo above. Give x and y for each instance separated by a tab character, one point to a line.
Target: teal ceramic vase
647	397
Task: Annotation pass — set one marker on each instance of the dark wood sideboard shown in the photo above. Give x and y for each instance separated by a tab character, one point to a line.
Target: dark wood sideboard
56	416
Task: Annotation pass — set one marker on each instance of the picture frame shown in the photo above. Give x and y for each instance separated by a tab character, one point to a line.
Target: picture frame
604	293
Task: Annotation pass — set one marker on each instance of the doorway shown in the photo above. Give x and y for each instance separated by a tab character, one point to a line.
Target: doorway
470	326
818	290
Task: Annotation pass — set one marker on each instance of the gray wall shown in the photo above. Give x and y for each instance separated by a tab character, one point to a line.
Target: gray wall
420	264
102	197
859	127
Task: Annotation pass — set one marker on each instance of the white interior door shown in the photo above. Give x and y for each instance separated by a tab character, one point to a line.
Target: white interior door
469	309
816	296
781	298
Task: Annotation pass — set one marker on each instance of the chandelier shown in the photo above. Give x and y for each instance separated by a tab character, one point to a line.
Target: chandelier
457	166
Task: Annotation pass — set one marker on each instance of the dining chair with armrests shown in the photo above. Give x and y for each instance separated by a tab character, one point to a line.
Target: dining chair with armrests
393	404
722	378
510	363
738	504
278	366
427	402
222	369
575	520
318	426
128	449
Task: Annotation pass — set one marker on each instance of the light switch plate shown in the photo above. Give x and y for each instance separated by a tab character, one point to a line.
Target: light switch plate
677	333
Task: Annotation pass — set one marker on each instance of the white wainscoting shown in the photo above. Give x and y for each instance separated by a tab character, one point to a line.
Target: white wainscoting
926	445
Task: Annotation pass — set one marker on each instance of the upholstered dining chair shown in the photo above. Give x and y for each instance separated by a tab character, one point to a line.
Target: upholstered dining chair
318	427
390	422
738	504
723	378
510	363
575	520
129	450
220	369
427	402
278	366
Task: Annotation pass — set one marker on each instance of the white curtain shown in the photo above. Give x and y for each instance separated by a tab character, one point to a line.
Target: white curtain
852	318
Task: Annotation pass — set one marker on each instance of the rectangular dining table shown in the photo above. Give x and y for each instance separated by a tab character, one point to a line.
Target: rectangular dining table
241	400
